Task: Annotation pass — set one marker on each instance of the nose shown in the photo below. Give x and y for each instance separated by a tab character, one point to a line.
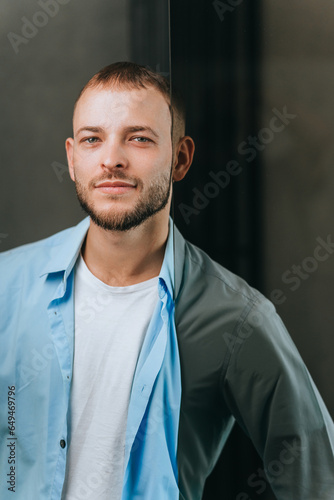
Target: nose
113	156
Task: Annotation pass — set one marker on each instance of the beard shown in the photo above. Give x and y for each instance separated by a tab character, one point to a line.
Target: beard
151	201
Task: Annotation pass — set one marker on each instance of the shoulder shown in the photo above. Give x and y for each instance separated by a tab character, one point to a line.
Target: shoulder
220	306
33	257
213	278
30	248
33	250
232	320
232	313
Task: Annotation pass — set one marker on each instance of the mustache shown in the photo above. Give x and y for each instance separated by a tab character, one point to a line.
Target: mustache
117	176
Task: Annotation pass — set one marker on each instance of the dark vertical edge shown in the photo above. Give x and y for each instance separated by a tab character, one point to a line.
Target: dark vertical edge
254	16
149	40
172	133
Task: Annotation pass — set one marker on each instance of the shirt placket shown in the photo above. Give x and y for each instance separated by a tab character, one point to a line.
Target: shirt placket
61	318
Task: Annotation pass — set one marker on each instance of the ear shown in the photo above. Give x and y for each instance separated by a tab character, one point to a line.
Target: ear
69	152
183	157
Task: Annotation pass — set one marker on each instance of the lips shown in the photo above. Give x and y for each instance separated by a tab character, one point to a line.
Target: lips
112	184
114	187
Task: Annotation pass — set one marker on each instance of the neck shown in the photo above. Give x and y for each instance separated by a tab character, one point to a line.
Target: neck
122	258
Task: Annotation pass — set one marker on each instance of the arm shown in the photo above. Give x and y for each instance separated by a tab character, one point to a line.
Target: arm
272	396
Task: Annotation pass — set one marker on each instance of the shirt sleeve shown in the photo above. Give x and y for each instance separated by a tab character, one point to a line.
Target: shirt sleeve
272	396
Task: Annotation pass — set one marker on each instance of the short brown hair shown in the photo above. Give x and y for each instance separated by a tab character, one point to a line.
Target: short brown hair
131	75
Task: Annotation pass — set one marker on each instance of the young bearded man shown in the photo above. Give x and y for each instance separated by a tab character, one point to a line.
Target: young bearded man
127	354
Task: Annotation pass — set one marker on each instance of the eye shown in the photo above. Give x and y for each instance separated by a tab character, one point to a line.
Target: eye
91	140
141	139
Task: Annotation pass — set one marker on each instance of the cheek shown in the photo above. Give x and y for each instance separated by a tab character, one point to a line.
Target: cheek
85	156
150	161
82	165
80	174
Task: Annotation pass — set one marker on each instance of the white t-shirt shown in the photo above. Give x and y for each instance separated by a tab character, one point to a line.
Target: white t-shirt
110	326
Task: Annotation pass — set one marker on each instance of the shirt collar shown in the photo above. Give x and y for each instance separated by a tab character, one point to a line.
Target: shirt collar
65	249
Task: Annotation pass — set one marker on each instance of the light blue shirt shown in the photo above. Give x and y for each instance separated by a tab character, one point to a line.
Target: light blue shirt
36	358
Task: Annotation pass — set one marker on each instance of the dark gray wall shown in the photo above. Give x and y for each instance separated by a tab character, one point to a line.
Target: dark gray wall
298	164
39	82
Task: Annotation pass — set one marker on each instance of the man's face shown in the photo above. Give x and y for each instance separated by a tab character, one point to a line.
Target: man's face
121	154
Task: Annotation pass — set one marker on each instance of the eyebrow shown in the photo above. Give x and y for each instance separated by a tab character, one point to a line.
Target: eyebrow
95	130
138	128
141	128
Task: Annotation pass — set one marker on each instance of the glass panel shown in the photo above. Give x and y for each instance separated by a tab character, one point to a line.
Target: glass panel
257	79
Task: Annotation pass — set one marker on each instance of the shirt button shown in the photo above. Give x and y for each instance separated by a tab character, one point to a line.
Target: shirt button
62	443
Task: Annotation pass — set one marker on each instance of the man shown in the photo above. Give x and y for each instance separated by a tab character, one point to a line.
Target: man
127	354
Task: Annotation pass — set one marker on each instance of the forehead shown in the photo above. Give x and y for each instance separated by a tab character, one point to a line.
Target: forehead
108	105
